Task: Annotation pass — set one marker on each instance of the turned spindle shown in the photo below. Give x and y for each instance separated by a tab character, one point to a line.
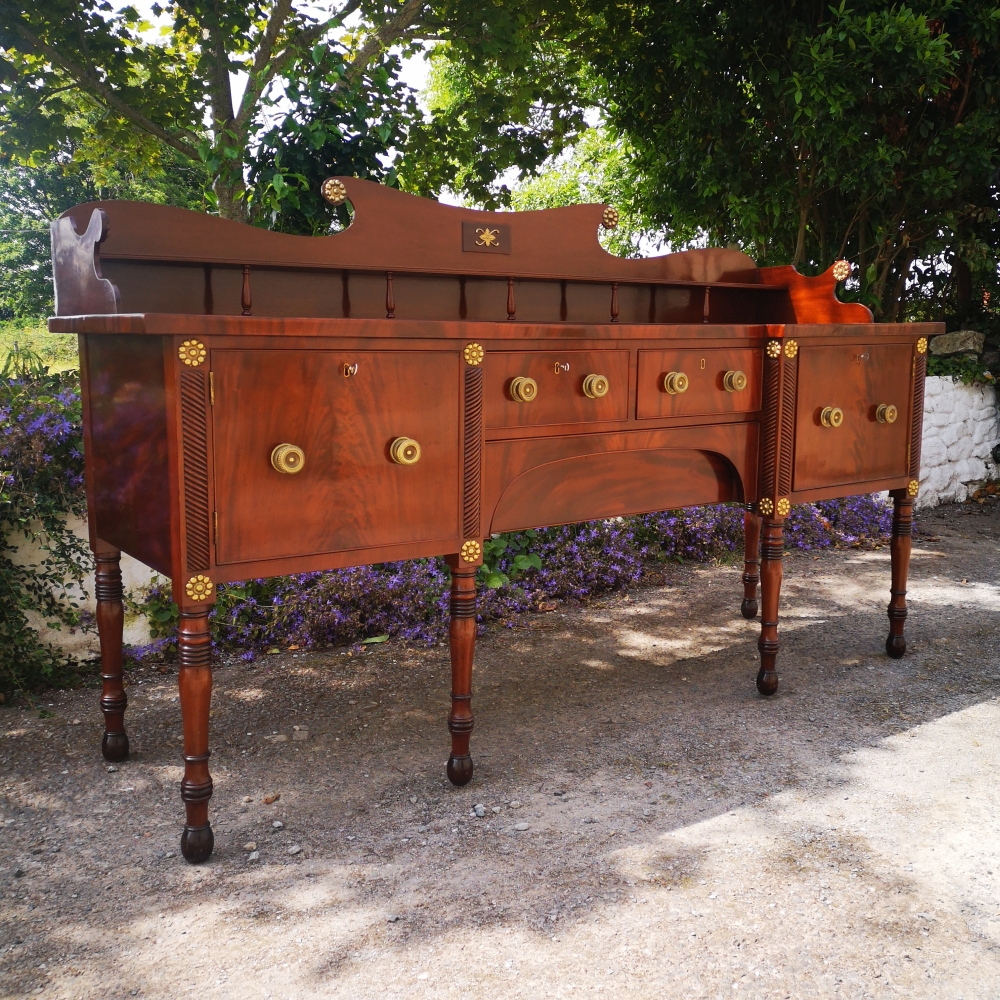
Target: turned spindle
390	299
110	625
771	551
899	550
751	561
511	308
463	645
194	648
245	300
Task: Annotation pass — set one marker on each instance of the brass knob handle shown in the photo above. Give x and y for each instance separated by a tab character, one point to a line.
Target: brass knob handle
596	386
831	416
734	381
675	382
523	389
288	458
886	413
405	451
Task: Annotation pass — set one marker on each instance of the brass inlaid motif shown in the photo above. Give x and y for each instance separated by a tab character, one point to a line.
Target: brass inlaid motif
192	352
841	270
198	588
766	506
610	218
922	345
333	191
473	354
774	348
596	386
471	550
831	416
675	382
784	506
913	487
288	458
523	389
791	348
486	237
404	451
734	381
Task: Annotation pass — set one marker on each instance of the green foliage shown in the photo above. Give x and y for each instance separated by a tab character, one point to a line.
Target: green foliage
805	132
41	483
968	371
513	548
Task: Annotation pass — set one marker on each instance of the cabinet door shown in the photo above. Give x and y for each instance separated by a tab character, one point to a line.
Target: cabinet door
559	396
349	493
706	391
856	380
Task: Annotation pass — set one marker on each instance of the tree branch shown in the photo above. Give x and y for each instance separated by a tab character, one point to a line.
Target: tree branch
87	81
390	32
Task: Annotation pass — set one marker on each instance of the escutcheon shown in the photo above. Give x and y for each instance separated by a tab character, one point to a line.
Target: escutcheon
595	386
404	451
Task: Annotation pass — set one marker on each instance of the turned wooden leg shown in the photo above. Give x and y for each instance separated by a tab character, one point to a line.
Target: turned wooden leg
195	680
902	530
751	561
771	551
110	623
463	645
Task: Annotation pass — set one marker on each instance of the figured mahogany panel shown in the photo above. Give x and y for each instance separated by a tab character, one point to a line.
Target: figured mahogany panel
127	459
194	434
613	484
856	379
706	392
560	398
349	492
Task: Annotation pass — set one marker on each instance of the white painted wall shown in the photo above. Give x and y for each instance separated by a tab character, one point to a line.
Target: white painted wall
960	429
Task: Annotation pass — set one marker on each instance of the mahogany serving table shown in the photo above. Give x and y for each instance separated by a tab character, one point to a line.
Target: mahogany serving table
257	403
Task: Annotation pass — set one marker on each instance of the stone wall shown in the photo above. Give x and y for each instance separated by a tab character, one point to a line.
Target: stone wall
960	430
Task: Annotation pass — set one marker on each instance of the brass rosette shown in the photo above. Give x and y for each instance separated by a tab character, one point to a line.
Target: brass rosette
774	348
333	191
199	588
766	506
192	352
784	506
841	270
610	218
473	354
913	487
791	348
922	345
471	550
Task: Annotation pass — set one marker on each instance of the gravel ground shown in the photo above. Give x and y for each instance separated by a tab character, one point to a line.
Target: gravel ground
650	825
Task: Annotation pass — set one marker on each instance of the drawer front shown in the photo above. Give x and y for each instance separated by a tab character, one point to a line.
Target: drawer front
559	378
349	492
856	380
706	391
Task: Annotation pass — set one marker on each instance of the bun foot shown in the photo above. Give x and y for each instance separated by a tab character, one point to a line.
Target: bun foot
749	608
460	770
895	646
114	746
767	682
197	843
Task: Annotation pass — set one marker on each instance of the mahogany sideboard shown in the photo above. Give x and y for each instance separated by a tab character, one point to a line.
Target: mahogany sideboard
258	403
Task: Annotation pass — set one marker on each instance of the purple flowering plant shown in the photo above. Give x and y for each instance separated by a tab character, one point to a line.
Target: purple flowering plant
41	483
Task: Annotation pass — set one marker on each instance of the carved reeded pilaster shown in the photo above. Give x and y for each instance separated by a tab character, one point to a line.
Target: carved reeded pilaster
751	561
771	552
899	548
195	682
110	624
463	644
